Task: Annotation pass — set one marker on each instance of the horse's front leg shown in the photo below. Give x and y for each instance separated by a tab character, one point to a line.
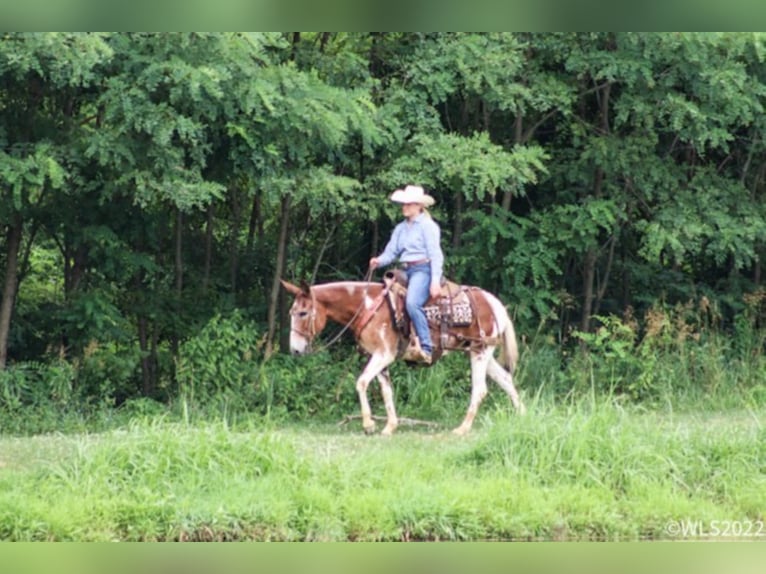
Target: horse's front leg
387	390
376	364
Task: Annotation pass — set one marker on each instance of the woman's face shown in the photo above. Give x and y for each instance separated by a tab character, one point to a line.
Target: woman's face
410	210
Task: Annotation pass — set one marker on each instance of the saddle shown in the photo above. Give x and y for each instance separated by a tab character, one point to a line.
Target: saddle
452	308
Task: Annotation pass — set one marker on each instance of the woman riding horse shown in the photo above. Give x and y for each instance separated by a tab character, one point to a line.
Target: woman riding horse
415	242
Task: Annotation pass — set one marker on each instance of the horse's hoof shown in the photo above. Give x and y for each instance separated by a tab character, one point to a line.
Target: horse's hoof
460	431
388	431
370	430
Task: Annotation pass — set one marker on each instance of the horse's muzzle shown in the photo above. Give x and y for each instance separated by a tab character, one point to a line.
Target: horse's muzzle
299	345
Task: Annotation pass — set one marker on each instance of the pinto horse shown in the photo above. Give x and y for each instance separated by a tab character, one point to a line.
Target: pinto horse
359	307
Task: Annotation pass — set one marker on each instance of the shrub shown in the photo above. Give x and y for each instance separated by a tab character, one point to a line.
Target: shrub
108	372
672	351
35	396
37	384
220	362
320	385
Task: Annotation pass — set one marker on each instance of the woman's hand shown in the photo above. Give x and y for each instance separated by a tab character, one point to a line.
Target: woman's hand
373	263
435	290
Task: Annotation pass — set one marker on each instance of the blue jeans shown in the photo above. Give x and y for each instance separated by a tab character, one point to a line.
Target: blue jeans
418	287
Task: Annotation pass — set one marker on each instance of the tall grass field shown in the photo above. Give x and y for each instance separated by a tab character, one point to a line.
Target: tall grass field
589	470
658	435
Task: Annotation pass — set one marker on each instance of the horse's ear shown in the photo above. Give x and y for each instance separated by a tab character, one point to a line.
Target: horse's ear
294	289
305	287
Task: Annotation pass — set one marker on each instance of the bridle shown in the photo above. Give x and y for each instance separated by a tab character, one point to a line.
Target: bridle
309	336
311	333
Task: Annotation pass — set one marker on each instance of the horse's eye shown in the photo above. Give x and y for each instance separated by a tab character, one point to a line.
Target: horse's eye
303	314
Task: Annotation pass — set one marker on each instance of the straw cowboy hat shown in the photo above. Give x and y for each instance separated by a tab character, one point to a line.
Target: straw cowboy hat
412	194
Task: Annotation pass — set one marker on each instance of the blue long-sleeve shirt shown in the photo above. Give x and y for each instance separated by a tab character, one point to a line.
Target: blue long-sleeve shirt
415	240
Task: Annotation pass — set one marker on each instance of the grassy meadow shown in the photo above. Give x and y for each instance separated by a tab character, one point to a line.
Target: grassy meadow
587	469
658	435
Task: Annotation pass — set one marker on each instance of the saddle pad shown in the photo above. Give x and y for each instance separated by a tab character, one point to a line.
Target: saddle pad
454	302
460	313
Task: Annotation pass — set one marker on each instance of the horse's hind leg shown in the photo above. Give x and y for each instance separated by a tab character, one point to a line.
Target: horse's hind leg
503	378
386	389
479	360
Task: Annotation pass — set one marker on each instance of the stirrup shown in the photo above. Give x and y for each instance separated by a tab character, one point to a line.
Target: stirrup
414	353
417	356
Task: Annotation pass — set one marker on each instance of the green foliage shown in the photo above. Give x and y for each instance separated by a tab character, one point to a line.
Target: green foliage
94	316
323	193
61	395
24	175
61	58
714	220
108	372
158	108
486	64
35	385
576	174
220	362
521	261
672	352
318	386
611	361
34	397
472	166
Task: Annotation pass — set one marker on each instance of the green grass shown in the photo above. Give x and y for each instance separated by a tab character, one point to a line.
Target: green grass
580	470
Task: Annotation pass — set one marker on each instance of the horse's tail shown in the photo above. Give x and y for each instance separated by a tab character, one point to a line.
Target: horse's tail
509	350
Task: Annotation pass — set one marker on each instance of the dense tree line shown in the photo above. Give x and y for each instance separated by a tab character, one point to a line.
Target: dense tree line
150	181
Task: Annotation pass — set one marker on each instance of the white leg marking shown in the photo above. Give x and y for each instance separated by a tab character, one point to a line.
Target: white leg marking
387	391
503	378
479	361
374	366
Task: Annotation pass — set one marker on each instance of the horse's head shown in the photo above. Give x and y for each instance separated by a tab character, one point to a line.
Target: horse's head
307	318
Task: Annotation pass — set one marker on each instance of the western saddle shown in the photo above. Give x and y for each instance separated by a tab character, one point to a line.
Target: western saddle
454	307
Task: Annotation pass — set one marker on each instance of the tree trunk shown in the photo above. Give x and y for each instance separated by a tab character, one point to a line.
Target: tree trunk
284	220
375	240
11	283
146	359
25	254
517	138
75	263
457	226
589	266
256	224
589	273
604	283
154	362
148	336
236	210
179	276
759	250
591	254
322	250
179	264
208	247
